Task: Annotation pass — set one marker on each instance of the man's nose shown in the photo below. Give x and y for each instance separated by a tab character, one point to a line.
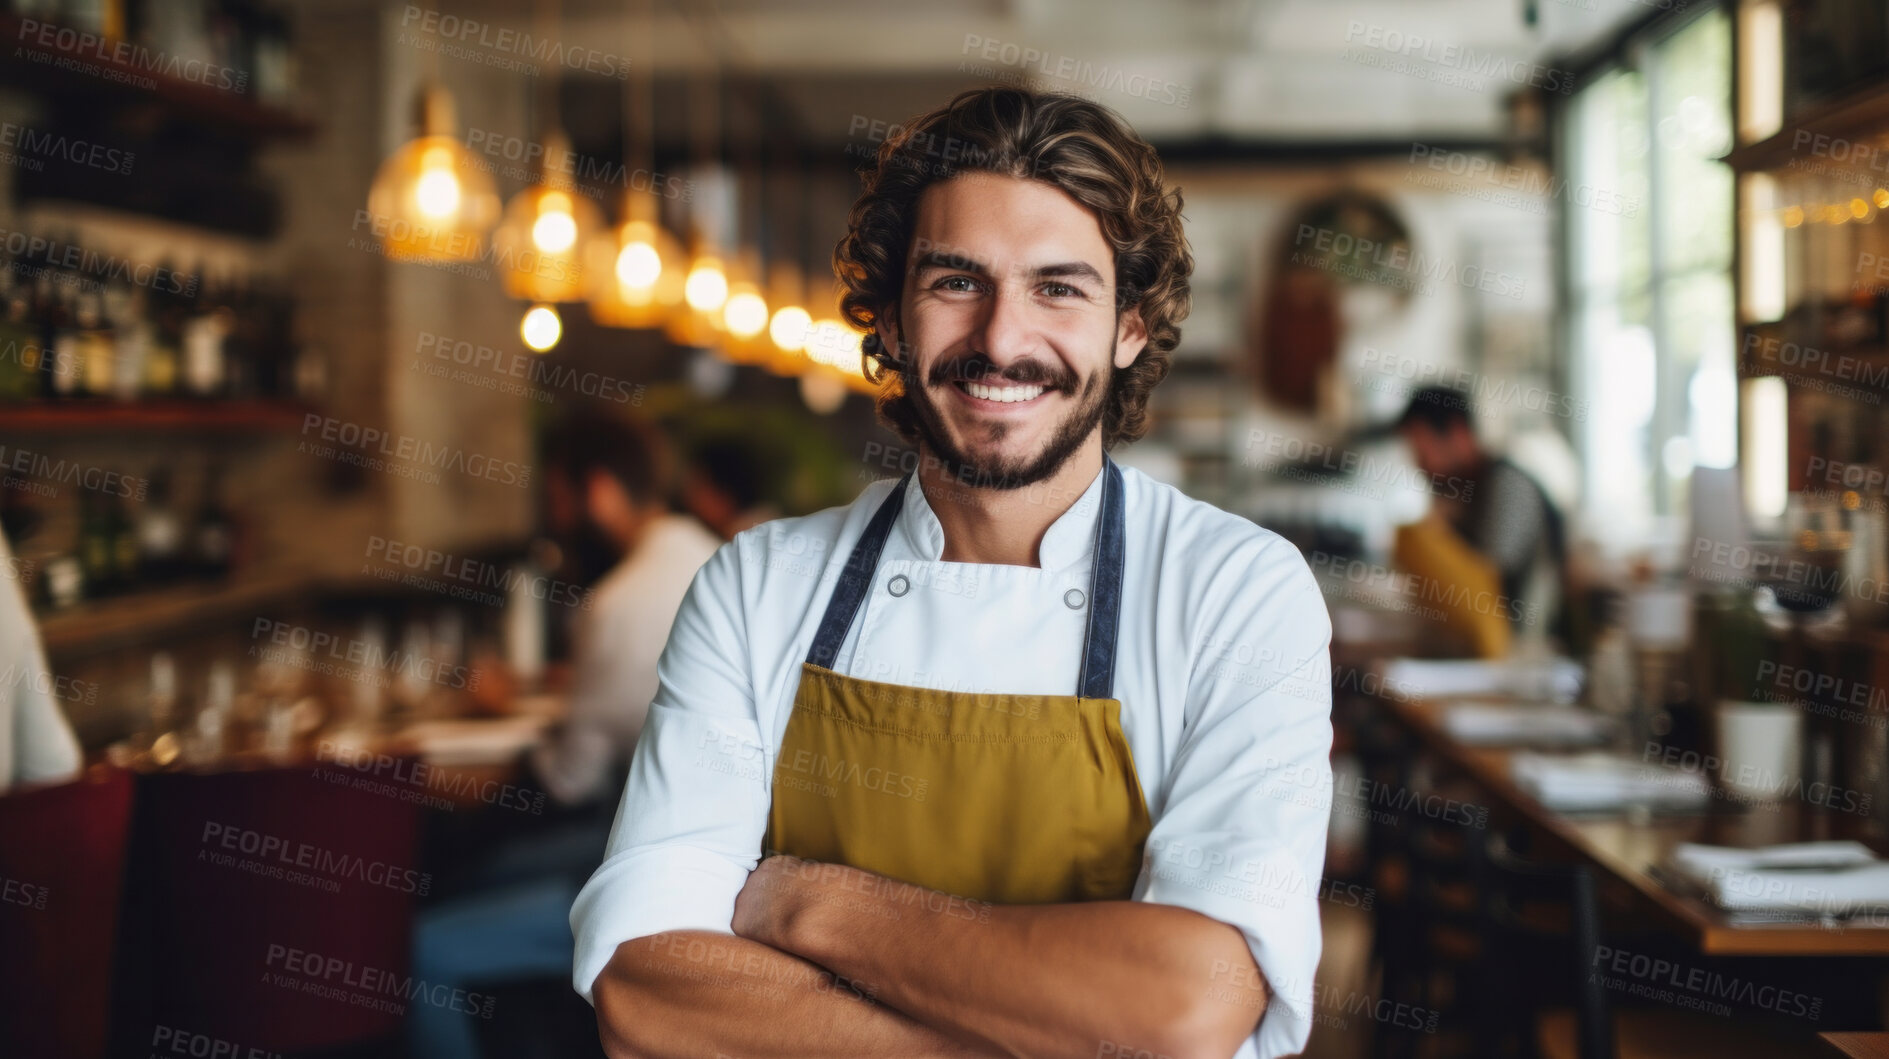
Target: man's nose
1009	332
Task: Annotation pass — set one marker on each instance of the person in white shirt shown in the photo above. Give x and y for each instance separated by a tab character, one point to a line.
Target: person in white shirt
609	499
1022	753
609	481
36	742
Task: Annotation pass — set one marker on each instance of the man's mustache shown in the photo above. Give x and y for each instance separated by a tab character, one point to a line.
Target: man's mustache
980	368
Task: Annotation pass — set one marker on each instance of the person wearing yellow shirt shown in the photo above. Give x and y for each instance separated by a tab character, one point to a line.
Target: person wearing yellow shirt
1489	552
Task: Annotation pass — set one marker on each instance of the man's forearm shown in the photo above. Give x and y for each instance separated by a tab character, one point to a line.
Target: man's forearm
694	993
1037	980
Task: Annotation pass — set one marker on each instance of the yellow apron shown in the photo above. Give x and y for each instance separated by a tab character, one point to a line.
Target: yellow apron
1473	609
1015	799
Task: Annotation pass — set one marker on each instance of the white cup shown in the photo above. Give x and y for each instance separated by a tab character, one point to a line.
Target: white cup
1659	617
1759	746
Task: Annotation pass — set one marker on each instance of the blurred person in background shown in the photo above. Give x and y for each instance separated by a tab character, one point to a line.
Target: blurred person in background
608	495
1492	546
724	486
36	742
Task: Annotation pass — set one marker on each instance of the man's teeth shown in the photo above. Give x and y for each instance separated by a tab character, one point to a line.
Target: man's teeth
1005	394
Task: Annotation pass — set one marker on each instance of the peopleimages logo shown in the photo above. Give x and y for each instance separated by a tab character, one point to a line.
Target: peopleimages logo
476	573
364	986
302	863
90	266
28	141
1462	58
503	42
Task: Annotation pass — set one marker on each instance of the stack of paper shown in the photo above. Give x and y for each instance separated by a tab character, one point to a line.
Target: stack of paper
1520	724
1597	781
1547	680
1802	878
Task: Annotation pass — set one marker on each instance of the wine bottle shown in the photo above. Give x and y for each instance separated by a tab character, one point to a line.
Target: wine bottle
125	307
203	333
160	531
20	360
167	319
95	544
93	338
65	374
215	532
124	541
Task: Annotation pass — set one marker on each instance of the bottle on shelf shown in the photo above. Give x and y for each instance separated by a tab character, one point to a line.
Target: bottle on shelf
125	307
93	338
274	73
124	542
95	544
66	378
161	360
215	535
160	532
204	331
20	361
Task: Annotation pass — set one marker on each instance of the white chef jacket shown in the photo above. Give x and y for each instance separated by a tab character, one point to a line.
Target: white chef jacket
36	742
1222	669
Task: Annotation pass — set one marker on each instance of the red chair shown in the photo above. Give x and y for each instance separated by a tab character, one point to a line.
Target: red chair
62	863
268	909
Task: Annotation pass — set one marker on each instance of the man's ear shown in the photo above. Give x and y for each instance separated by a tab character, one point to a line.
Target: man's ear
1131	337
886	326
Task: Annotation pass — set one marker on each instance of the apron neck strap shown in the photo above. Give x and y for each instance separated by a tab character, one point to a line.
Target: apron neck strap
855	580
1097	679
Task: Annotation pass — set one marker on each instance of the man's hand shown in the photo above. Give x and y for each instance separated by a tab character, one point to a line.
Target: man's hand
771	899
688	993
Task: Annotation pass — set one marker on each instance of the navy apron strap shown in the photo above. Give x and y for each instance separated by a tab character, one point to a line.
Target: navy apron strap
1097	680
855	580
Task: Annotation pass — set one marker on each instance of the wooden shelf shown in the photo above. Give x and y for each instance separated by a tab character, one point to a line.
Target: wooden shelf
95	67
134	416
100	624
1865	110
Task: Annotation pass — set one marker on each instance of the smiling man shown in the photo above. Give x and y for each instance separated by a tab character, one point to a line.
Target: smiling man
1023	753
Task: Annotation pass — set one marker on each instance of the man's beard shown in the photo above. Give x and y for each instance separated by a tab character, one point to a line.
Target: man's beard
999	472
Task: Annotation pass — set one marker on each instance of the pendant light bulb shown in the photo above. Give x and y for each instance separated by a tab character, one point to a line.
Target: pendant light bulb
431	200
541	328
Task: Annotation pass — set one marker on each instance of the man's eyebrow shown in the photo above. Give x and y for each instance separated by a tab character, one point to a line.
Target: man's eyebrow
947	259
1071	270
942	259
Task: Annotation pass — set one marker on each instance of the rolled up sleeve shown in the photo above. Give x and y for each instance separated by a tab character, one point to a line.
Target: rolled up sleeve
1240	834
688	830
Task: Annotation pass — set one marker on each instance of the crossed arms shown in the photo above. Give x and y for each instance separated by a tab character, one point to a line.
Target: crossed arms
831	960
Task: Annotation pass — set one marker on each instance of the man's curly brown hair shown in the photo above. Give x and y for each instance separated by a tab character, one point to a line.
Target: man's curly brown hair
1079	146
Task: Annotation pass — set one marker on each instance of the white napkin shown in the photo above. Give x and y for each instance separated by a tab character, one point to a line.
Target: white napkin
1521	724
1594	781
1547	680
1821	878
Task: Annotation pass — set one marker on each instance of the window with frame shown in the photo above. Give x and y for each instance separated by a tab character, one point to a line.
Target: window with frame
1650	325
